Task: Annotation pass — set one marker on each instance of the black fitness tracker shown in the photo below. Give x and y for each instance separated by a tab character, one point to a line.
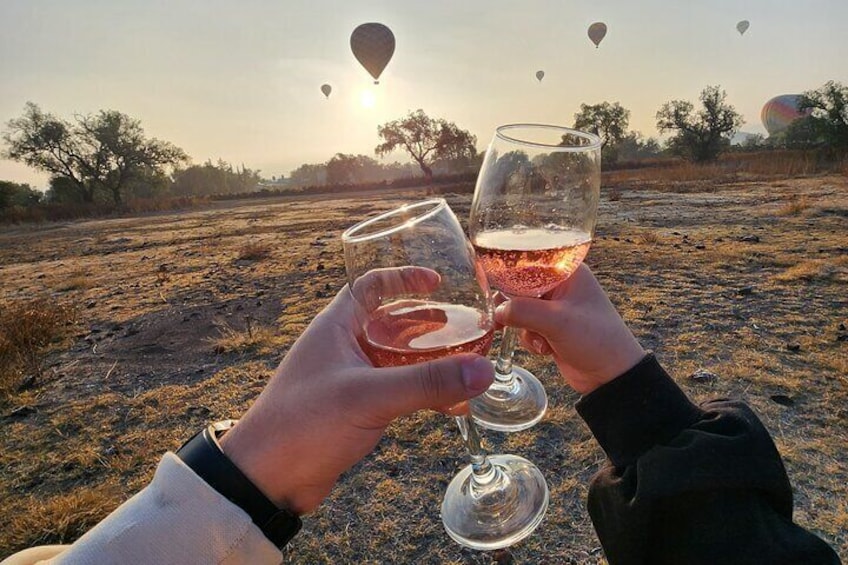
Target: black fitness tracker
203	454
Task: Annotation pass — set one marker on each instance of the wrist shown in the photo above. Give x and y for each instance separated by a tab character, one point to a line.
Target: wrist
204	455
635	411
619	361
249	453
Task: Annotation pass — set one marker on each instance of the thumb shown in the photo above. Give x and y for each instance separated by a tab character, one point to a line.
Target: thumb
534	314
435	384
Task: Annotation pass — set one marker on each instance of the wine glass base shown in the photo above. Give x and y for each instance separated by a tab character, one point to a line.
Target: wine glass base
500	513
513	408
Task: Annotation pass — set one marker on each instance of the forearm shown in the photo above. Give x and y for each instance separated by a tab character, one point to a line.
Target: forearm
688	484
177	518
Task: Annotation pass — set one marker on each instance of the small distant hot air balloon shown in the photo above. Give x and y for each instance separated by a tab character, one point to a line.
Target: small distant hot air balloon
781	111
743	26
326	89
597	32
373	46
540	75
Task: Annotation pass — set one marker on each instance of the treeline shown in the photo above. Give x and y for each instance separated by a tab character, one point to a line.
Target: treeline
442	184
104	162
345	170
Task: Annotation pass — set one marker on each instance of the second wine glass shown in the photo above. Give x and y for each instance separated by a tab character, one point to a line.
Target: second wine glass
420	296
532	221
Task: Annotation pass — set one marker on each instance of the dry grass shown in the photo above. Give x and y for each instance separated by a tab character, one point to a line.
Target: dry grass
807	271
795	206
650	238
254	251
685	270
28	330
683	176
614	194
76	279
253	338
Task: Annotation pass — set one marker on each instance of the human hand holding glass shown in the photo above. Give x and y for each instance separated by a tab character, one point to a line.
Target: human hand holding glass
579	327
532	221
419	296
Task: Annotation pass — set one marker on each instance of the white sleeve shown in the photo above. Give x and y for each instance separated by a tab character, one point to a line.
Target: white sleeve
178	519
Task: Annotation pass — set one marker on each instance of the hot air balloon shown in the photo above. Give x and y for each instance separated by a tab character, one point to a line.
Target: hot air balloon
373	46
540	75
743	26
781	111
326	89
597	31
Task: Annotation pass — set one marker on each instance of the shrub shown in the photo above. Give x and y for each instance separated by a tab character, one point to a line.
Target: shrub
28	330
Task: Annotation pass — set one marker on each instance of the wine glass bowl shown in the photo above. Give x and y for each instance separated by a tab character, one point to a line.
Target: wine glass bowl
532	221
420	295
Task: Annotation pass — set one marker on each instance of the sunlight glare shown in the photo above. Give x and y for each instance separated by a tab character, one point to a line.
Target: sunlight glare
368	99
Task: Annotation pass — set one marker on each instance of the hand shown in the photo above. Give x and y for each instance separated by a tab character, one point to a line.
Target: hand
579	326
326	406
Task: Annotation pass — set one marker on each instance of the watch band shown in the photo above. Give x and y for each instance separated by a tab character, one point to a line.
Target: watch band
203	454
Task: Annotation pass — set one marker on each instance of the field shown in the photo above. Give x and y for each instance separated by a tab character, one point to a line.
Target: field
181	318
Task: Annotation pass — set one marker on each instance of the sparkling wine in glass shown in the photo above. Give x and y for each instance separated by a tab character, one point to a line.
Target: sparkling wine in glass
421	295
532	220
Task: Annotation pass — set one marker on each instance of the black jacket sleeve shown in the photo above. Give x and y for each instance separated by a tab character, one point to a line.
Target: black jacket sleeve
688	484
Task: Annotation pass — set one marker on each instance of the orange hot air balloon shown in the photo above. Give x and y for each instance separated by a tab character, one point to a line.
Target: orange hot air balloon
326	89
373	46
743	26
597	32
540	75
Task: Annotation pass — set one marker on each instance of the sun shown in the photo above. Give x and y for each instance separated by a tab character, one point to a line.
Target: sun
367	99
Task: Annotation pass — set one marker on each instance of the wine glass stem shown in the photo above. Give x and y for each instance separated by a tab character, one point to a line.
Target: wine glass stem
503	366
482	471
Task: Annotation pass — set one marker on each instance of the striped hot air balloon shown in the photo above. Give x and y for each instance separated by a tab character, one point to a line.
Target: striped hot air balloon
373	46
781	111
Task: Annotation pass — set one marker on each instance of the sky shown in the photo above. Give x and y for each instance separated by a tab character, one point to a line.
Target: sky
240	81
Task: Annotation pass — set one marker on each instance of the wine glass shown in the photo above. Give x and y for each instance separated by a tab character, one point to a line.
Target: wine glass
532	221
420	295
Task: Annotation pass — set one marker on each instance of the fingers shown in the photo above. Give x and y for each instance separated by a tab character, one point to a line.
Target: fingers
442	385
459	409
534	314
372	288
535	343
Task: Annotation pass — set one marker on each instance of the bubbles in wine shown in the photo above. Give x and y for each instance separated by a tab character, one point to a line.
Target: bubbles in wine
530	262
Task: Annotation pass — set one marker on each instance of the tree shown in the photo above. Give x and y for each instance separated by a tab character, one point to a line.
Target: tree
105	152
634	146
353	169
15	194
220	178
700	136
309	175
828	123
607	121
426	140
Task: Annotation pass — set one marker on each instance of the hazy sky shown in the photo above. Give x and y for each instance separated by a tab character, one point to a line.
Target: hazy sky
240	80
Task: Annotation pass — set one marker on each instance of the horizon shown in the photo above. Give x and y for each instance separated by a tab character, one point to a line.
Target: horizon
243	84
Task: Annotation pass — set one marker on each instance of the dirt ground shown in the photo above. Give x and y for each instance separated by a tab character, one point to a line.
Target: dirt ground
183	317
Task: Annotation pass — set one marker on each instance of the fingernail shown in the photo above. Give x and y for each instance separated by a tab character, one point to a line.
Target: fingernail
477	375
500	311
